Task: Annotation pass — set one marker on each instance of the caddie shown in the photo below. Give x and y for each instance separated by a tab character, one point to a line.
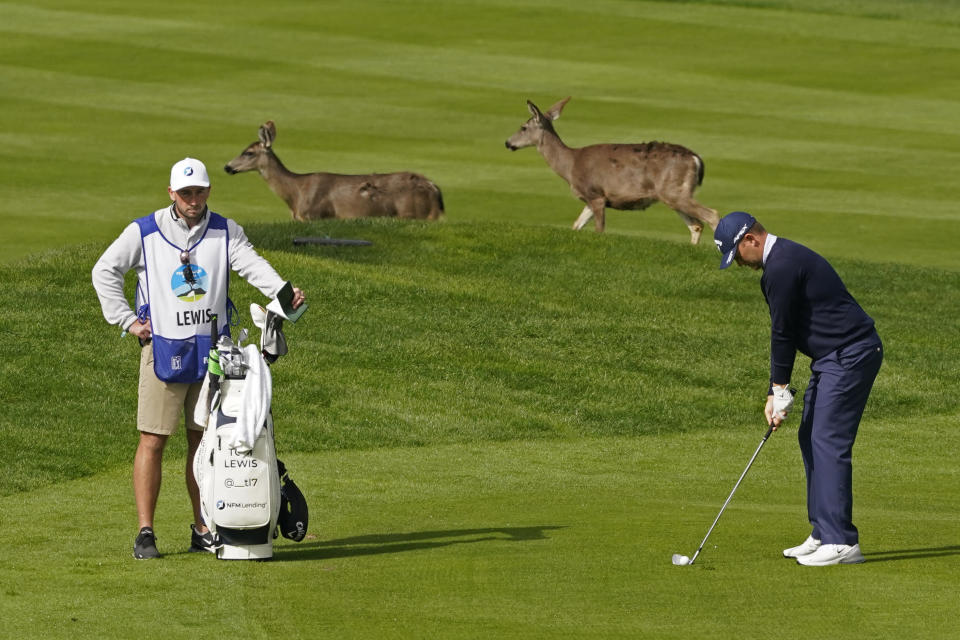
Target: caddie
811	311
182	255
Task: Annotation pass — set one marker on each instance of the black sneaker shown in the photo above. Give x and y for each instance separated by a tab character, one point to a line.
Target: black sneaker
145	546
201	541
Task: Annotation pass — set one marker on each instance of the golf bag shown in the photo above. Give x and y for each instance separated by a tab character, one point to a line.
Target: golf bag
244	490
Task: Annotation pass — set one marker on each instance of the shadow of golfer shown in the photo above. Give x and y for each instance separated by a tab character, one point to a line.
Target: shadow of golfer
375	544
912	554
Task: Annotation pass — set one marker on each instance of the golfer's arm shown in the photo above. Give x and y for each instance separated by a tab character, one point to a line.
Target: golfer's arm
780	290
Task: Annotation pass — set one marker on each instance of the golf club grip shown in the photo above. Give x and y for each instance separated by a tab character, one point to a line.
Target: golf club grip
213	380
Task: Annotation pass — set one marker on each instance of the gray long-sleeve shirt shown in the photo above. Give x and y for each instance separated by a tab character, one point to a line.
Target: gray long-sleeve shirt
126	253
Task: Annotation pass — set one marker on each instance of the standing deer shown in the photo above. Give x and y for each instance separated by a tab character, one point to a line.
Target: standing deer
333	195
619	176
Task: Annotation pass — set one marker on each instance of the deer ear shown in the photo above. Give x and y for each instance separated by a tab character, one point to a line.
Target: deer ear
554	112
534	111
268	131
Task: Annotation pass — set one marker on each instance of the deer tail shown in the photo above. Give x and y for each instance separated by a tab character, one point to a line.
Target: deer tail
439	197
701	169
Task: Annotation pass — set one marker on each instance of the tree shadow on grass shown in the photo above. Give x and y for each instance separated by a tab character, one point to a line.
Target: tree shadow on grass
912	554
375	544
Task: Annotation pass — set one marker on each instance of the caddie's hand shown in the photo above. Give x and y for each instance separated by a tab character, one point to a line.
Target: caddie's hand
298	298
140	329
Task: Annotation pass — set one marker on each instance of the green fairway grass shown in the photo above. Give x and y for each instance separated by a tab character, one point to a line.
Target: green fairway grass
503	428
539	540
837	122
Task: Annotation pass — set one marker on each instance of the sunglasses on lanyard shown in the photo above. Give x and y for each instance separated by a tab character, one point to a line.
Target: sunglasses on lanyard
188	274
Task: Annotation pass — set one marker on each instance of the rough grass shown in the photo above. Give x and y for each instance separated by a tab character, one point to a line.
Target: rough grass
444	333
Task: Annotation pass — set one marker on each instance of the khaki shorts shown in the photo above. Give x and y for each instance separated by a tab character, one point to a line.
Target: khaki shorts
161	404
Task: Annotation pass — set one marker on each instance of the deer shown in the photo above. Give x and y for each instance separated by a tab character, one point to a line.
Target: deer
620	176
332	195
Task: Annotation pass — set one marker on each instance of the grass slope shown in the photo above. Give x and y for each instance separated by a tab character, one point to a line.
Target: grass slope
460	333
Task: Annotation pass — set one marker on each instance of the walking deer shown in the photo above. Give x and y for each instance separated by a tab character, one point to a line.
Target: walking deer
619	176
333	195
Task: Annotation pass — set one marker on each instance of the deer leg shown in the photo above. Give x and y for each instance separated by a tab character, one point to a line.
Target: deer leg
694	209
694	215
584	218
599	215
695	226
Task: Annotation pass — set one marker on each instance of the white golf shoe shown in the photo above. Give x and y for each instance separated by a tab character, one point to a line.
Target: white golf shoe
829	554
809	545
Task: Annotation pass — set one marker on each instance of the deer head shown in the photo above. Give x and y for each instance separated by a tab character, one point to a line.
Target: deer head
252	158
533	129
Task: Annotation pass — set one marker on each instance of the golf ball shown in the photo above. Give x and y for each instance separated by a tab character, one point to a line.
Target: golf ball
680	560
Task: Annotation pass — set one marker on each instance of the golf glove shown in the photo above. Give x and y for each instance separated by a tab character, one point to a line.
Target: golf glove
782	401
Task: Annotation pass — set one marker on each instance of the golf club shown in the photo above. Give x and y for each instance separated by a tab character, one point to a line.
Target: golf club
681	560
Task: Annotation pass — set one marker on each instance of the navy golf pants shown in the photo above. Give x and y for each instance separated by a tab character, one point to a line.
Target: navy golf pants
840	384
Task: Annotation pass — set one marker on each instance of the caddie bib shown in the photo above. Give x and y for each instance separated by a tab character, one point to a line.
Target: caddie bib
183	294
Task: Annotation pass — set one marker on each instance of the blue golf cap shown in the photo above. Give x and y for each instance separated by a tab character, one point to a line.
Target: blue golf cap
729	233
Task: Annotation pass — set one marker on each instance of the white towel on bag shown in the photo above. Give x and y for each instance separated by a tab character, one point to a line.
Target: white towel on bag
201	412
255	404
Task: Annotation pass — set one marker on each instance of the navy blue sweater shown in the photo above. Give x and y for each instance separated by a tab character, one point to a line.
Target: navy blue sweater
811	310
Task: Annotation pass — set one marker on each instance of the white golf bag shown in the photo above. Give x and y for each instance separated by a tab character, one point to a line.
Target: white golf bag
236	464
239	491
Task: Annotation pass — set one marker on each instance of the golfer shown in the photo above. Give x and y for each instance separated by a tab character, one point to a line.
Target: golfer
811	311
182	255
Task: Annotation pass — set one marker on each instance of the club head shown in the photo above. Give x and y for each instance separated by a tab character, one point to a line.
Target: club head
681	561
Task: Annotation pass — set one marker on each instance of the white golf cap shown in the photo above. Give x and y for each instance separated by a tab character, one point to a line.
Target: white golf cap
189	172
